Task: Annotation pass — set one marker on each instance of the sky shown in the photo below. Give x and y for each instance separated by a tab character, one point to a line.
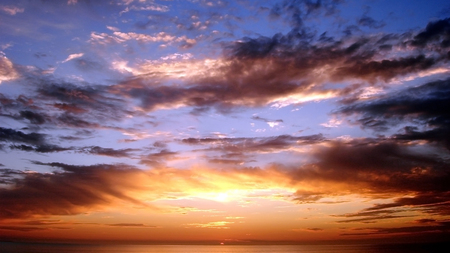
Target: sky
168	121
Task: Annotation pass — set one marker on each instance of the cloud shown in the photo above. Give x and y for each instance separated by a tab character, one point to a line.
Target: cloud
144	6
96	150
39	143
419	106
88	65
373	219
33	117
332	123
429	202
437	31
441	227
385	69
212	224
73	56
382	166
131	225
314	229
23	229
7	70
11	10
271	123
70	108
296	12
376	169
118	37
8	176
365	20
285	69
372	168
217	84
158	159
73	190
44	148
81	106
11	135
254	145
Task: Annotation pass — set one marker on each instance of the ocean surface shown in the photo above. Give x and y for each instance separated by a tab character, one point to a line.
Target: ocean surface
11	247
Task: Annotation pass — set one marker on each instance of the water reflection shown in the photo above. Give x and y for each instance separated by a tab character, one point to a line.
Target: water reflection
76	248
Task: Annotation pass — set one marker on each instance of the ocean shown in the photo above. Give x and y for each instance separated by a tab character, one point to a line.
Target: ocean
12	247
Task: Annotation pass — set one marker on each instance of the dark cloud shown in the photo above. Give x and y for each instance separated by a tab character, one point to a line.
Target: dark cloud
266	120
438	31
373	219
131	225
33	117
88	64
297	11
383	166
260	70
87	97
23	229
45	148
376	169
36	142
69	120
81	106
9	176
41	222
424	105
425	221
72	138
70	108
96	150
15	107
4	100
386	69
11	135
68	191
159	159
249	145
366	213
426	200
303	197
40	55
54	103
410	230
226	161
234	87
152	97
370	22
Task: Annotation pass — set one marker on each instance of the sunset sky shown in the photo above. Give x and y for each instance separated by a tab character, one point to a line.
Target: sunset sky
245	121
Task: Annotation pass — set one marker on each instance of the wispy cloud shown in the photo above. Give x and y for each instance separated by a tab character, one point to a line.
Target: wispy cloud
73	56
11	10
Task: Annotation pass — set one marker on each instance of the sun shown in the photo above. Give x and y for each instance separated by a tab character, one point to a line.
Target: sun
221	197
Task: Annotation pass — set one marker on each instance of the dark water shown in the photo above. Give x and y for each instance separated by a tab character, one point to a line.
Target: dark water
10	247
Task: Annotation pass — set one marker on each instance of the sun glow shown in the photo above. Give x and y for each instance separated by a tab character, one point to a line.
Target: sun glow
222	197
